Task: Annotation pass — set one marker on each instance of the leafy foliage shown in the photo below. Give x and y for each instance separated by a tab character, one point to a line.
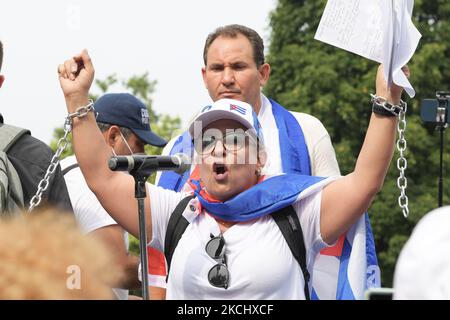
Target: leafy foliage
334	85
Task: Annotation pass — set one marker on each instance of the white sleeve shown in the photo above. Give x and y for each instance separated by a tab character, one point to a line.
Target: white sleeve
308	211
325	163
89	213
162	203
320	149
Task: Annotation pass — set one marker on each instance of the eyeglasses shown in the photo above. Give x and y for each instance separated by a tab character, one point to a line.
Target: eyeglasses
232	142
218	275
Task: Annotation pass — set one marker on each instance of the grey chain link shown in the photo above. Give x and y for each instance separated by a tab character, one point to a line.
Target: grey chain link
402	163
44	183
61	146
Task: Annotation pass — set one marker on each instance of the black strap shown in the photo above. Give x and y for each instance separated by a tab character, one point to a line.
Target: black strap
175	229
67	169
287	221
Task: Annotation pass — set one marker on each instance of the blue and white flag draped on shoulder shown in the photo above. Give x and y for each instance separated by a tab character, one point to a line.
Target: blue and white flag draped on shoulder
264	198
169	179
342	272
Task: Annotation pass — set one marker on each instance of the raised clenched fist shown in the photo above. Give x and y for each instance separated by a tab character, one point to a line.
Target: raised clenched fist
75	77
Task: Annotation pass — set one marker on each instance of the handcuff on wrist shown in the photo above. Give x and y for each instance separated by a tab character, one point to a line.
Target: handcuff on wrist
82	111
382	107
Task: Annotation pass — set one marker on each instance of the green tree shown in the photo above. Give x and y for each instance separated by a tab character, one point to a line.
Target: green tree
334	85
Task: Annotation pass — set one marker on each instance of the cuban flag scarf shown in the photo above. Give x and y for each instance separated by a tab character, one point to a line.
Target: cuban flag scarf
342	272
263	198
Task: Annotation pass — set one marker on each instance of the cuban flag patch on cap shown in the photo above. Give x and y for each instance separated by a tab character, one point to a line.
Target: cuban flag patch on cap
239	109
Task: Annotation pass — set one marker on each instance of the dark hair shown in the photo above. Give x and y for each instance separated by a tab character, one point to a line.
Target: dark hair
1	55
232	31
105	126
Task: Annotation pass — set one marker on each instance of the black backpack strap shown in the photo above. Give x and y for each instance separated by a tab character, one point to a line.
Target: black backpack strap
289	224
175	229
67	169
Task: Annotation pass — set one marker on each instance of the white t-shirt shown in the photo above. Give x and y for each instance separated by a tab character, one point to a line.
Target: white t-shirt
259	260
88	211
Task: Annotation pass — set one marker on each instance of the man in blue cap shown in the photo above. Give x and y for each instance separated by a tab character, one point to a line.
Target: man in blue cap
125	124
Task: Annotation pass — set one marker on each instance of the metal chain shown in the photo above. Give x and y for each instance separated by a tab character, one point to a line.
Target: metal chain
402	164
61	146
44	183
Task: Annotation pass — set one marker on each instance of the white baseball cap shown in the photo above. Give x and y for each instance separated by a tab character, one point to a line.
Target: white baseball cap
423	267
231	109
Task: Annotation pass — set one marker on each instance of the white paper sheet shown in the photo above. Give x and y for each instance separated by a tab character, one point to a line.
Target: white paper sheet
379	30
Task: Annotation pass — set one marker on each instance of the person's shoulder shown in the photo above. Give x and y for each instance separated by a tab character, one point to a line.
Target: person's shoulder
31	149
430	236
28	139
422	271
437	214
306	119
431	224
310	125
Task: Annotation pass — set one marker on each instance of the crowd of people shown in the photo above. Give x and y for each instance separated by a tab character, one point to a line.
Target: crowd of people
262	213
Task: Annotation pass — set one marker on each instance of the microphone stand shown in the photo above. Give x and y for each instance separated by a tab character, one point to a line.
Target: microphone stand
438	114
140	171
441	179
140	176
441	125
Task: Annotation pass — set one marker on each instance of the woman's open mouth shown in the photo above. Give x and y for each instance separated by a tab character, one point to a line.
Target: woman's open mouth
220	171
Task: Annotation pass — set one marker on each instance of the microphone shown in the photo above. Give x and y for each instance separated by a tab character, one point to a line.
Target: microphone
178	163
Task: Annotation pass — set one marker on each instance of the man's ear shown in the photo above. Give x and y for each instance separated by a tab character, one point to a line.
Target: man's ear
204	76
112	135
2	78
264	74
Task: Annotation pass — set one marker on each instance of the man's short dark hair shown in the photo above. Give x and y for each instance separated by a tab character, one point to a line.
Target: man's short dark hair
105	126
232	31
1	55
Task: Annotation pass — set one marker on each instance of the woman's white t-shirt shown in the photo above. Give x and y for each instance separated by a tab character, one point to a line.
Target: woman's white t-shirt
259	260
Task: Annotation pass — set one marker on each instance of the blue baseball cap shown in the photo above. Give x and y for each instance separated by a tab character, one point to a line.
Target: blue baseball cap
125	110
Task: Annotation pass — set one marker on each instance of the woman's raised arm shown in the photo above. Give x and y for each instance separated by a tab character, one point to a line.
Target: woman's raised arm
346	199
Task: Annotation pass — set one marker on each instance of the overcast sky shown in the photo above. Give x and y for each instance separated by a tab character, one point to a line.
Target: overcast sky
128	38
